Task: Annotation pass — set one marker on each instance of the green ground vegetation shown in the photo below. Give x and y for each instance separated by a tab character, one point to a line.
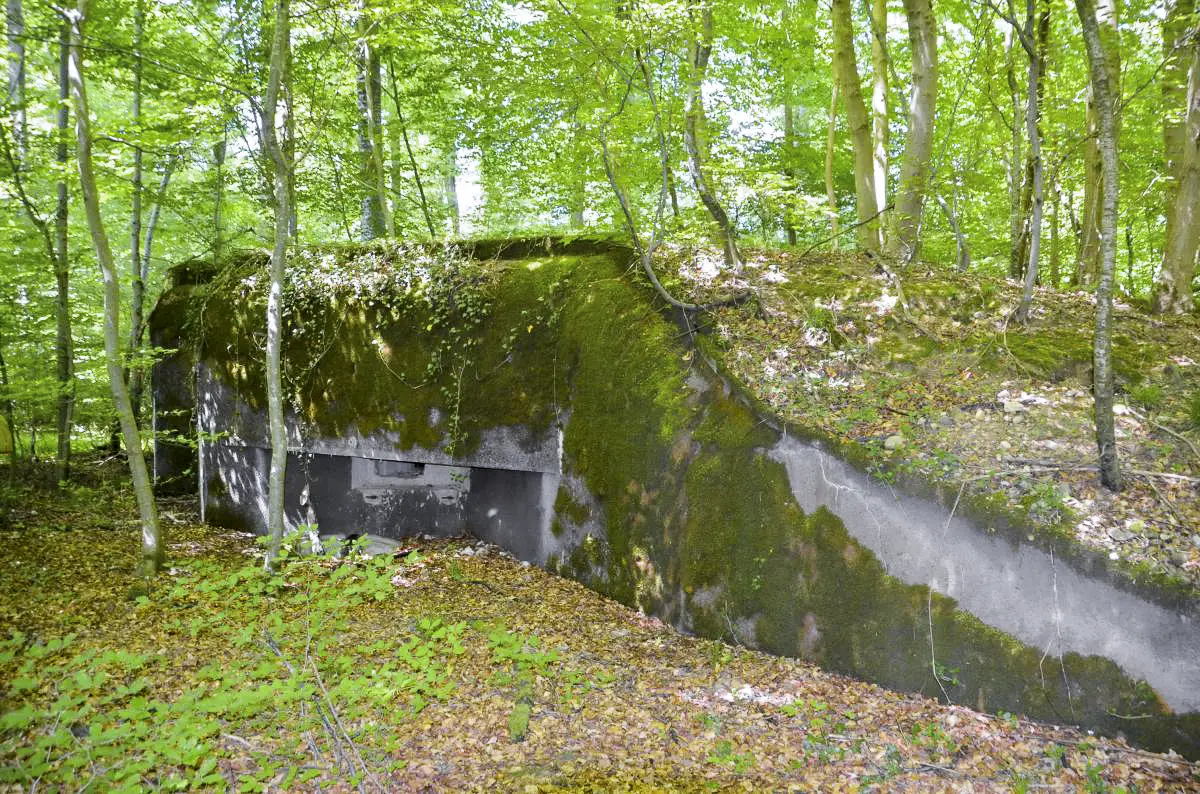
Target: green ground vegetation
447	665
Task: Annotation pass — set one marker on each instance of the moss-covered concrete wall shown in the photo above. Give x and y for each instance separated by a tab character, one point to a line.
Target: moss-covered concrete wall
670	498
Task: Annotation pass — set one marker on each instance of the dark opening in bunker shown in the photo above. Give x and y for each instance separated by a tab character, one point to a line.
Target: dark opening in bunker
345	495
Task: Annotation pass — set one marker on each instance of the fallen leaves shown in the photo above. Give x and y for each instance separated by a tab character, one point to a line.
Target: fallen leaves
539	685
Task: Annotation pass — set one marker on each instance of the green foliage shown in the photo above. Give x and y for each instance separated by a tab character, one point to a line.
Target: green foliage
724	754
932	737
85	711
1193	409
1149	395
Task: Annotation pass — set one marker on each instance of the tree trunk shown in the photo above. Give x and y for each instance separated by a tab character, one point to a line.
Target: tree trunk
6	407
64	344
138	284
1102	81
879	105
830	193
672	192
288	143
137	331
219	197
278	83
1034	102
412	160
1036	50
1089	261
578	203
846	70
152	541
452	189
1016	186
1055	255
1173	288
15	30
962	252
374	224
701	49
789	155
1130	289
918	149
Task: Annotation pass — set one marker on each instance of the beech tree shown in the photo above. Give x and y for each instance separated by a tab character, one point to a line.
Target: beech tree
846	69
1089	260
153	550
374	222
1102	377
281	169
880	119
699	52
918	148
1181	138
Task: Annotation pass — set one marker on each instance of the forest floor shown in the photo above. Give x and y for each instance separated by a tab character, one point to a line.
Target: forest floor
445	667
928	372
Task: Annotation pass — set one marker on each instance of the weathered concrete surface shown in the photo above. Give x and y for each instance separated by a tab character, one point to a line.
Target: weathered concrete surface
655	484
1019	589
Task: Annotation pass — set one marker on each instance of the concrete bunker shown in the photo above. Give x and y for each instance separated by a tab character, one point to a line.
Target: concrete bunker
573	424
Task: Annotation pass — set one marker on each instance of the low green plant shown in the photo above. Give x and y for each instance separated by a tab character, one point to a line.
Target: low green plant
1193	409
522	661
1021	783
724	755
719	655
934	738
947	675
1045	503
1149	395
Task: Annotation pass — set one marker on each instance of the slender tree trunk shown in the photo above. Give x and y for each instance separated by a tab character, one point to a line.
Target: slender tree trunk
578	203
1173	287
64	344
830	141
846	70
6	407
1033	104
904	239
789	154
1055	254
701	49
1100	63
219	198
879	105
55	241
278	83
1090	255
1036	50
1076	227
412	160
138	284
452	189
1130	289
137	331
288	143
374	224
152	541
577	191
1016	185
15	30
672	192
962	252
